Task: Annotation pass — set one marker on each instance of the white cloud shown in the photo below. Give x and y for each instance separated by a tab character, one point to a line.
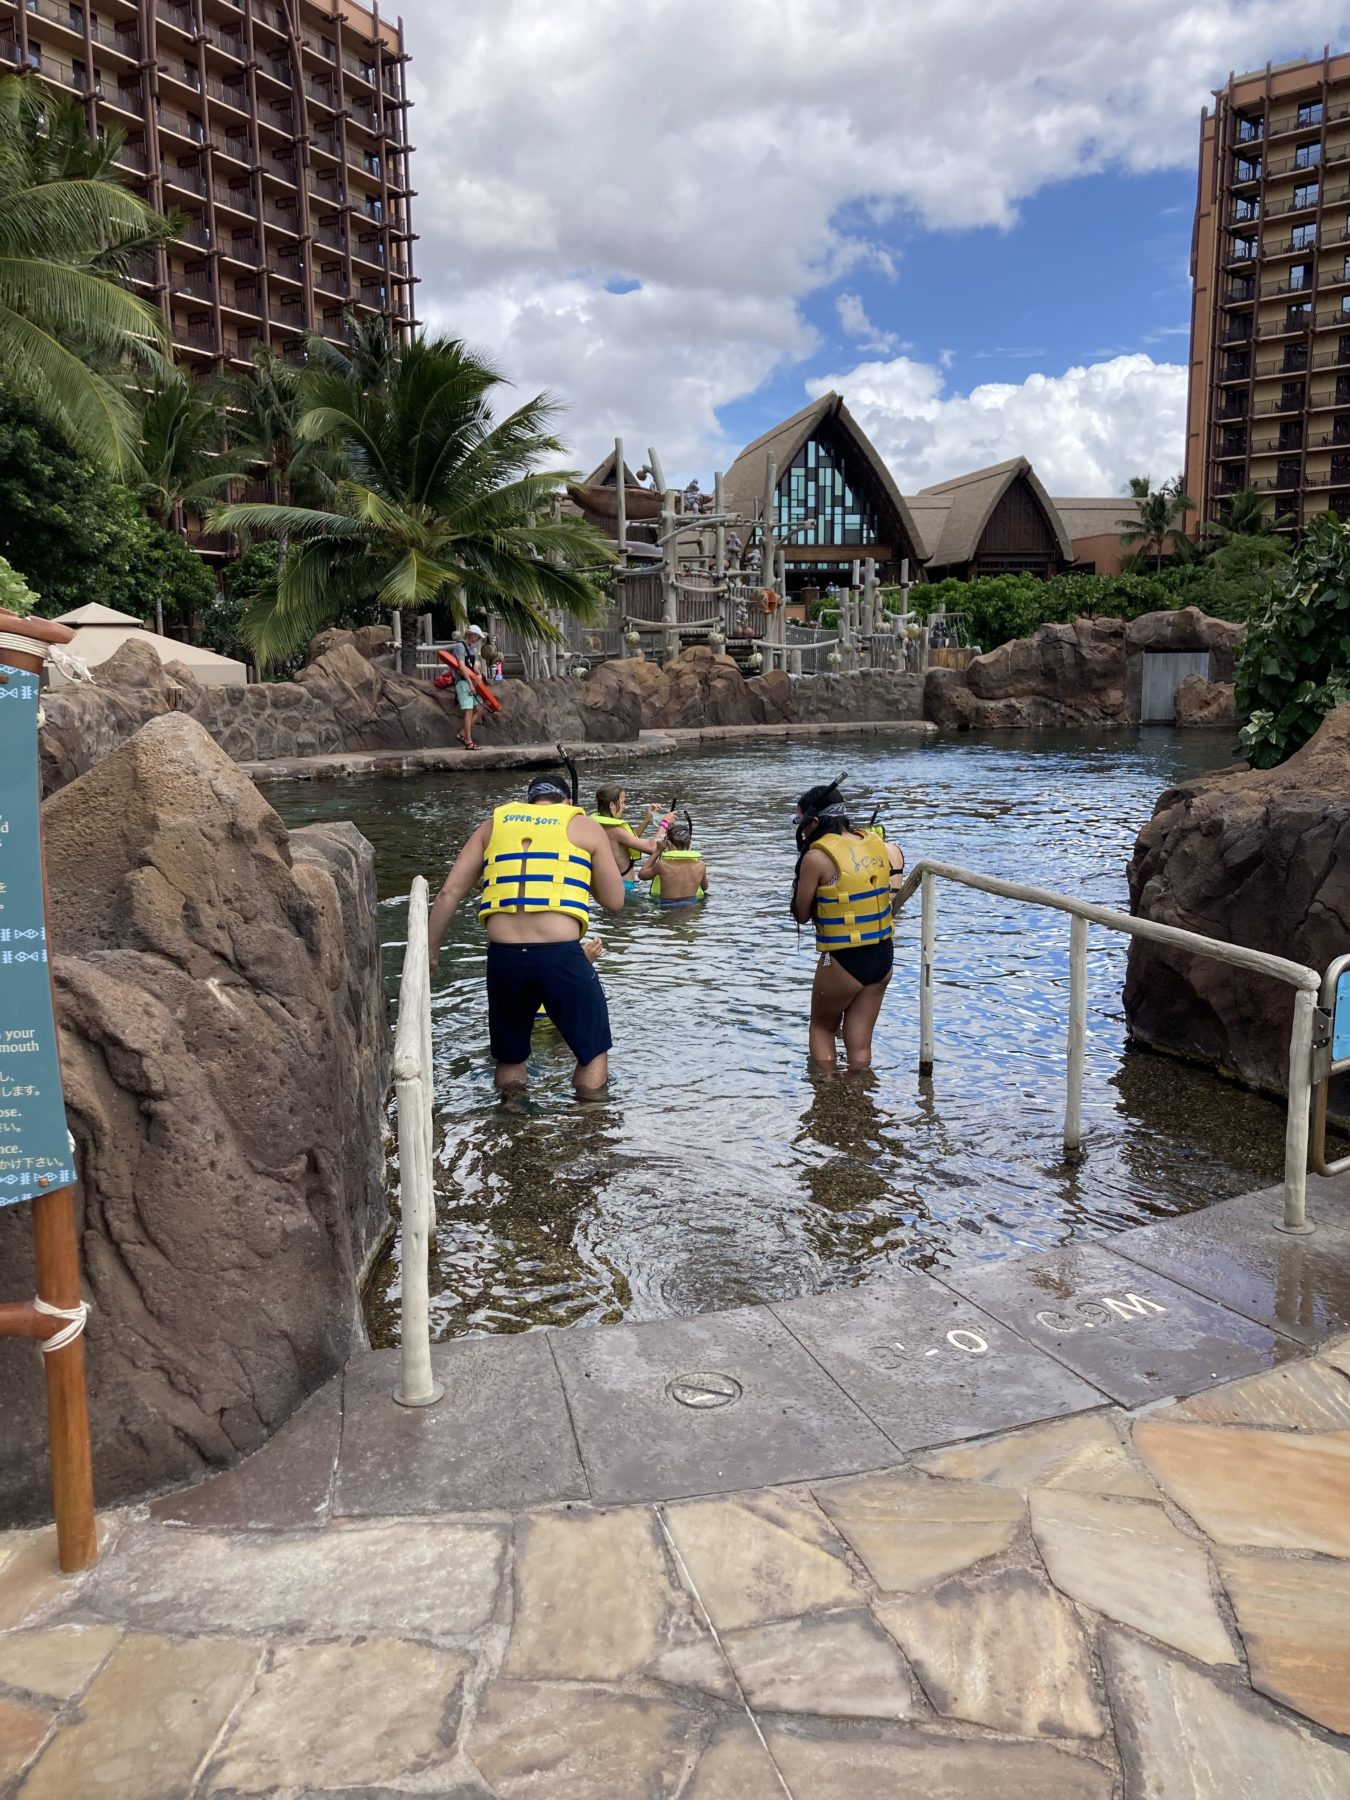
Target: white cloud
856	324
735	160
1085	431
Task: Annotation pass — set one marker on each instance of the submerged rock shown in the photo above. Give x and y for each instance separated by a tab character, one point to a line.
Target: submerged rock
225	1046
1255	857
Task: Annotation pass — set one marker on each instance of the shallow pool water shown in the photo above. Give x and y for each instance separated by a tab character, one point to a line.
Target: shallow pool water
721	1170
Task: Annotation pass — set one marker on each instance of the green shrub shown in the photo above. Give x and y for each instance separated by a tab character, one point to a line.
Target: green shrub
15	594
1294	664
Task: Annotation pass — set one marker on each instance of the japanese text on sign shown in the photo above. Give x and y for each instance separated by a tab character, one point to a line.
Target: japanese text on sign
34	1147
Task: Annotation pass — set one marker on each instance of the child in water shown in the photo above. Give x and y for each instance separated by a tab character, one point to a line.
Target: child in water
678	874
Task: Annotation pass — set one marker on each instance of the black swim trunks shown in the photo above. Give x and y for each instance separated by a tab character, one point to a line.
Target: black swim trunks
867	963
559	977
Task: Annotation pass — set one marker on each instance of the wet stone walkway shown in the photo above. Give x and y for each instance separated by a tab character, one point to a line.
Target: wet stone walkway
1124	1596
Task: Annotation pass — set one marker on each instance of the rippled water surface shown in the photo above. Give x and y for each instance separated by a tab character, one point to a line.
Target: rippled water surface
721	1170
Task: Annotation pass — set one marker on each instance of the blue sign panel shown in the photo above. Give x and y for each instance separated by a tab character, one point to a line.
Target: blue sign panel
1340	1024
35	1155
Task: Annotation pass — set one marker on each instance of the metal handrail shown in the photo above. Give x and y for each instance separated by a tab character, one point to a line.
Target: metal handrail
417	1197
1306	982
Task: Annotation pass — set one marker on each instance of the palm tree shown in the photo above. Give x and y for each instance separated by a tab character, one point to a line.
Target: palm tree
68	327
369	358
438	503
266	407
183	463
1155	530
1243	516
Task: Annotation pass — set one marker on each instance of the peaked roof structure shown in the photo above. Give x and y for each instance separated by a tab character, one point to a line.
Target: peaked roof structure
953	514
743	485
602	475
100	632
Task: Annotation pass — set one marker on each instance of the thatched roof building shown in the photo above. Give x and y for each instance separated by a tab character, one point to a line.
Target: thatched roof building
994	521
836	499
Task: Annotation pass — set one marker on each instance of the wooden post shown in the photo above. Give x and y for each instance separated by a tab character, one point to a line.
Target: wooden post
869	623
1073	1105
56	1251
719	530
767	551
670	615
620	503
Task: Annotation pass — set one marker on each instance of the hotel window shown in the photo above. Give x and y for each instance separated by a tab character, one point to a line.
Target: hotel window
1305	237
1345	306
1295	359
1249	130
1296	317
1291	396
192	76
196	130
819	502
1288	472
1300	276
370	162
374	208
1310	112
1307	156
1248	170
1244	249
1306	195
34	55
1291	435
1246	209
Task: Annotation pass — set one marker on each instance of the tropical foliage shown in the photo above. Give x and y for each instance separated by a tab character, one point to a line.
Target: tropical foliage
435	502
76	535
1294	664
183	465
69	329
15	594
1155	531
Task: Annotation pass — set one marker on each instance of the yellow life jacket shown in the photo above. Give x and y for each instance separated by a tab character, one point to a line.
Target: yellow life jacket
553	875
634	856
855	908
678	856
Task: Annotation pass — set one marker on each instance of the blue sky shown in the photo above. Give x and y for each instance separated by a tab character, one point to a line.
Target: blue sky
681	218
1094	268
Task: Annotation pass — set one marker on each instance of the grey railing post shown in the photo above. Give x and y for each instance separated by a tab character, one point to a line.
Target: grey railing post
928	943
412	1087
1073	1105
1297	1123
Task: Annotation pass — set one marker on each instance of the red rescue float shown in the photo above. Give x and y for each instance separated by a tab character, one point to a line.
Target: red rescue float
474	679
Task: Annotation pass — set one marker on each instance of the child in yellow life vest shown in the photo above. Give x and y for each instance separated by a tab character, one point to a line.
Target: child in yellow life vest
843	887
678	874
629	846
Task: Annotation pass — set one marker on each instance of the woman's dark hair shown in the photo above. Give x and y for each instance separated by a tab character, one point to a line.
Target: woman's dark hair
822	809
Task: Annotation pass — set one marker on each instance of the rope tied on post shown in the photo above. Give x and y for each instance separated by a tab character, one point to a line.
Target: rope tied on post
75	1316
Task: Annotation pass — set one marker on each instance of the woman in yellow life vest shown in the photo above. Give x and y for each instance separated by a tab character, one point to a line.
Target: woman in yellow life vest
541	861
843	887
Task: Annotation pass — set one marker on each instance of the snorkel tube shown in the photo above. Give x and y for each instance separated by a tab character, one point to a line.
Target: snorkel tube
546	783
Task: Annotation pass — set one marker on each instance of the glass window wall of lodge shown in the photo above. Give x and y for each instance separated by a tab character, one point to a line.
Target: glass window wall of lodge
819	502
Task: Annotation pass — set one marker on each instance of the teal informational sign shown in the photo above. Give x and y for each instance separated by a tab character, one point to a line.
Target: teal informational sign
35	1153
1340	1029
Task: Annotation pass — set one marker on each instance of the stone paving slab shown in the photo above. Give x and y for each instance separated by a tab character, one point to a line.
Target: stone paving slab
926	1365
1133	1334
761	1411
1298	1286
500	1438
285	1485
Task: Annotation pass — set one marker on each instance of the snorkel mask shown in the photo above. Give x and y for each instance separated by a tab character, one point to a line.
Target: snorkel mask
820	808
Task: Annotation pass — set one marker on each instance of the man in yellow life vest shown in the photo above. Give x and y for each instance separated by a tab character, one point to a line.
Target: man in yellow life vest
843	885
540	862
678	874
629	847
